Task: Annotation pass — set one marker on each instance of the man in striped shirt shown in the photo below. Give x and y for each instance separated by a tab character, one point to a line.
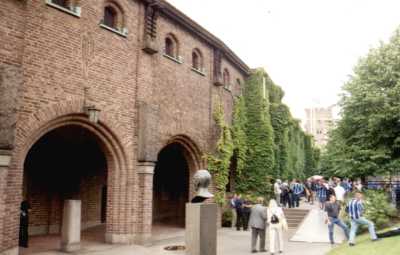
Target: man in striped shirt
297	189
355	209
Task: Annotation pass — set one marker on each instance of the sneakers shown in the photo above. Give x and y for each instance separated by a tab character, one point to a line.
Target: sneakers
351	244
254	251
375	240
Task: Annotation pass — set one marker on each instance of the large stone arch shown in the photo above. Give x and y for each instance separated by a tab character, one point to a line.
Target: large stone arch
120	167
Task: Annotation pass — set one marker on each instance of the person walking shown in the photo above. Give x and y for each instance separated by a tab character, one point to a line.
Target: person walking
285	194
258	218
321	194
355	209
246	212
233	210
278	191
332	209
277	223
339	191
239	212
297	189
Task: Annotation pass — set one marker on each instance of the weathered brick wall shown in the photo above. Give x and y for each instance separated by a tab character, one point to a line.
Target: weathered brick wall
12	18
54	56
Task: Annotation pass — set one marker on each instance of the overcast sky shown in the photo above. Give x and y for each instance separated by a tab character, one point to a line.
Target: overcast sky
308	47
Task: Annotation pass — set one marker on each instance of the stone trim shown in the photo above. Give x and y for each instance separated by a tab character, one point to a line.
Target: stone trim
198	71
146	168
123	33
177	60
74	11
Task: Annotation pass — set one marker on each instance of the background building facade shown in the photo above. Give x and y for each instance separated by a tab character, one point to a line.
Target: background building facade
319	121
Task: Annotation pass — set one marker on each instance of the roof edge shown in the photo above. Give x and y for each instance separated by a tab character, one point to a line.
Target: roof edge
173	13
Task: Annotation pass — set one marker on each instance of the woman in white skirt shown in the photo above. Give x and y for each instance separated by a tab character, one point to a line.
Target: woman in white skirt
277	223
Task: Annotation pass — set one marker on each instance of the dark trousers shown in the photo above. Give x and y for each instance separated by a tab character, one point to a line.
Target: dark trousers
285	199
23	235
296	200
239	220
246	217
291	201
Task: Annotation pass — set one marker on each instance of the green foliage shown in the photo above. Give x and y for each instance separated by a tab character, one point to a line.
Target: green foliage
260	158
218	164
239	123
366	140
378	209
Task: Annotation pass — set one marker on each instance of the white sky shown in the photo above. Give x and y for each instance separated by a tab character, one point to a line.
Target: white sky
308	47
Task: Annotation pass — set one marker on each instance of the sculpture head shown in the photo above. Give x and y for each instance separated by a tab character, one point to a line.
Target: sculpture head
202	179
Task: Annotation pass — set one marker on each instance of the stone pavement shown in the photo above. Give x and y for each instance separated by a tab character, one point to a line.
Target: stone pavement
230	242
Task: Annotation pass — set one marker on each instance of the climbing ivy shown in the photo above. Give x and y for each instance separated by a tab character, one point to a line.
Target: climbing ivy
239	123
259	164
219	162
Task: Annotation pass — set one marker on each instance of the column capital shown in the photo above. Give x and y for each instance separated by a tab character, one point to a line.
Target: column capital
146	167
5	158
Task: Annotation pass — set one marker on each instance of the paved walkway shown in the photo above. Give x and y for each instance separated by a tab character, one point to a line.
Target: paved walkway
314	230
230	242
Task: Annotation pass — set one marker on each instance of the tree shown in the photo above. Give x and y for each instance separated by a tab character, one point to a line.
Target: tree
366	140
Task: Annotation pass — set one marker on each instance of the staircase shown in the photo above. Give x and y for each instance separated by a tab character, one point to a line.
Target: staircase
295	217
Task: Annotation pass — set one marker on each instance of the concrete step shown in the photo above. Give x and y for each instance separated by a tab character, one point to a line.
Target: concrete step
294	217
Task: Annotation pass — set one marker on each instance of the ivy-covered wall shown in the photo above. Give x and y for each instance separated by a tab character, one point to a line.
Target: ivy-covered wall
264	139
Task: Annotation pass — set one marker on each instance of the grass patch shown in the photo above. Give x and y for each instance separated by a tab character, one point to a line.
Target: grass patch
364	246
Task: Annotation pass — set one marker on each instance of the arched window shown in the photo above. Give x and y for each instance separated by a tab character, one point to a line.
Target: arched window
197	60
226	78
110	17
69	6
169	47
114	18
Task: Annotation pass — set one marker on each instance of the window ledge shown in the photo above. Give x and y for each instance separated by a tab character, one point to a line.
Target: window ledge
123	33
198	71
74	11
179	61
227	88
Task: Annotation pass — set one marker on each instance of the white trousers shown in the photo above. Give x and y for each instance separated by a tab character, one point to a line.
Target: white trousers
234	217
275	234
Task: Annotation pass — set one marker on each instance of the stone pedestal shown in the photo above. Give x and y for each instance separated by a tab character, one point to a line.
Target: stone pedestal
71	226
201	229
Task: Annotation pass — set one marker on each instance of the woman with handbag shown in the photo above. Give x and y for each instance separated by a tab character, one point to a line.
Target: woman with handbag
277	223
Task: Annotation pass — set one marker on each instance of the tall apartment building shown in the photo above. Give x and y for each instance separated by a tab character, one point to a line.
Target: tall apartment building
319	121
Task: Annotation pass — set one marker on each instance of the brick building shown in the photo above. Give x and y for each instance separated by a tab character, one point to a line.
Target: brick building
109	102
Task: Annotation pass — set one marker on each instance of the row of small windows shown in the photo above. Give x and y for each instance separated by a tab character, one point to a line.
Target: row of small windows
171	49
113	18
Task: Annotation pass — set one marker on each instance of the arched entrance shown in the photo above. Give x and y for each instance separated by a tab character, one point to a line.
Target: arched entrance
68	162
171	186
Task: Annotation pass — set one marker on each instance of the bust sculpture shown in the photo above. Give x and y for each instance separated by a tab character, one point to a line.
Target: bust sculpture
201	179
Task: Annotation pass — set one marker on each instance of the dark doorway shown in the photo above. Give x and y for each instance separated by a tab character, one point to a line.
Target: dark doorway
66	163
171	186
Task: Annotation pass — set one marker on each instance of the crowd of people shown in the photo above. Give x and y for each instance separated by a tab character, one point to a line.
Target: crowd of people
331	196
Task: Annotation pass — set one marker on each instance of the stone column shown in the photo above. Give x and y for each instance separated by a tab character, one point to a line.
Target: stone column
71	226
5	159
145	207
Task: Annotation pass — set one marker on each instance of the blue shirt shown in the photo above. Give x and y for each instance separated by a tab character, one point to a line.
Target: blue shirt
321	191
298	188
355	209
